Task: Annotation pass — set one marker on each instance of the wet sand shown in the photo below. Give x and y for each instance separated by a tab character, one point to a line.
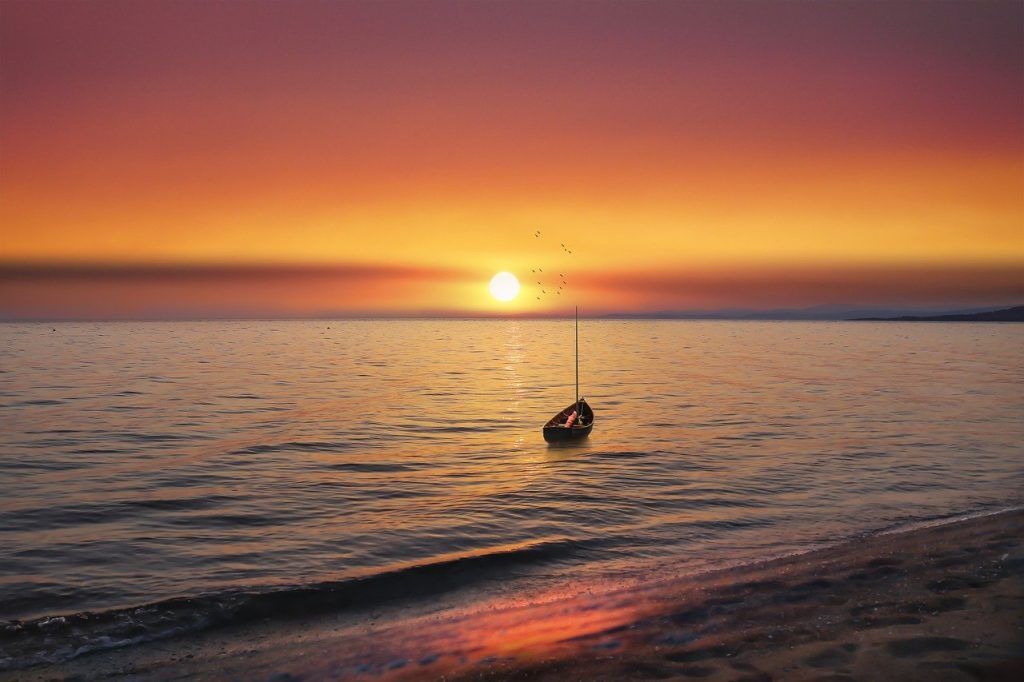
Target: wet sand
942	603
938	603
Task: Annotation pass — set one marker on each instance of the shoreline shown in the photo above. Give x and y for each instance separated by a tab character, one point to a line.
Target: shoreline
938	601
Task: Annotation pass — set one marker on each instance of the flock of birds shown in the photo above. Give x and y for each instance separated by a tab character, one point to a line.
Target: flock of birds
539	272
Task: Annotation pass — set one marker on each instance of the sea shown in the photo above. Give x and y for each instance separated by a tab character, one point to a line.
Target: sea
162	478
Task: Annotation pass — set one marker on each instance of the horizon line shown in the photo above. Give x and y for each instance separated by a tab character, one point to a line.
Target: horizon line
817	313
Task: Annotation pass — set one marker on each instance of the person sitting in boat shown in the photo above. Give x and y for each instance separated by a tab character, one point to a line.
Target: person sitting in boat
570	420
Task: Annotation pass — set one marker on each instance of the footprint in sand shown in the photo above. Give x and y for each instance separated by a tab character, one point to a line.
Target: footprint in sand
939	605
805	590
884	621
830	657
694	655
953	583
689	616
914	647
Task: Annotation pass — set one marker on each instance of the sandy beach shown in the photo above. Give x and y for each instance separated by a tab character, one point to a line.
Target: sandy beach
940	603
944	602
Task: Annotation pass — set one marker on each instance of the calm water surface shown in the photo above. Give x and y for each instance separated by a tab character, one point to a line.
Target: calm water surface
239	462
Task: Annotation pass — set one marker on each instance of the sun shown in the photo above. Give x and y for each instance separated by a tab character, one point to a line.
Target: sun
504	286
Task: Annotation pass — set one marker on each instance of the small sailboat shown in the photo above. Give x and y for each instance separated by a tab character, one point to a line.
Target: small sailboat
576	420
559	428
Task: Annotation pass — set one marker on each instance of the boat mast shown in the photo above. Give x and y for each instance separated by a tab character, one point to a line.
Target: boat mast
578	415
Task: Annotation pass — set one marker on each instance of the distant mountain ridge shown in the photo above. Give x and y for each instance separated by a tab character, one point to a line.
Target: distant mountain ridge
835	312
1014	314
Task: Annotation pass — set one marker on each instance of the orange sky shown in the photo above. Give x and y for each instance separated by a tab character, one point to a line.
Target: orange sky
376	157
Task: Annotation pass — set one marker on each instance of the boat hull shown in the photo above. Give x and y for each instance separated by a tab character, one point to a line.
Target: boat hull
555	431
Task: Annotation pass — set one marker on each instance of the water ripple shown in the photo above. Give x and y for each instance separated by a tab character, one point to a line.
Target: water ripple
147	462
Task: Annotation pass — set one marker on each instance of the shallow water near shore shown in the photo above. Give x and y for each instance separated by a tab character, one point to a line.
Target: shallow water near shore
169	476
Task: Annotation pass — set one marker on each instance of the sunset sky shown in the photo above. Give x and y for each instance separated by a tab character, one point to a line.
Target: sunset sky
306	158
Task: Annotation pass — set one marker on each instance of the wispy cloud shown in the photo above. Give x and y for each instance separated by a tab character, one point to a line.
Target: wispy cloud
214	272
60	291
104	291
811	285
